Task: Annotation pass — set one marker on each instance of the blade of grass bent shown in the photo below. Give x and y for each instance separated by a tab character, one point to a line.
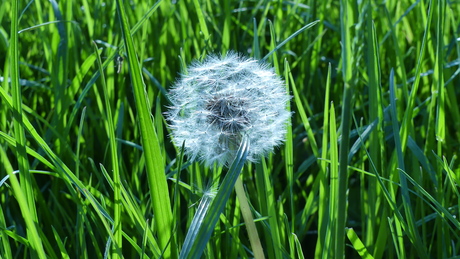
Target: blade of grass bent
10	140
207	218
289	38
154	162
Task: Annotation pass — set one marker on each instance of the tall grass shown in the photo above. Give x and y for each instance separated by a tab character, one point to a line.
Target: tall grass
369	168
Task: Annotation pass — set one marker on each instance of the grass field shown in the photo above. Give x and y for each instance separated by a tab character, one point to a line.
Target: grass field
369	167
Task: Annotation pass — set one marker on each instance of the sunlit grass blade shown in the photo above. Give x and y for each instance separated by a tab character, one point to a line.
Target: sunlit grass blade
407	124
300	254
376	139
23	192
64	254
203	26
331	230
154	162
440	123
358	244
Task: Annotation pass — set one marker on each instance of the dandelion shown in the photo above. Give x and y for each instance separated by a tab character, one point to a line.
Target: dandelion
222	99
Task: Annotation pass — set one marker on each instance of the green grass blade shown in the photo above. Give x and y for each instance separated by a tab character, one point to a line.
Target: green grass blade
249	220
30	151
110	128
64	254
376	138
323	209
203	26
358	244
403	196
331	232
267	203
303	117
300	254
278	46
407	123
207	216
289	160
59	74
346	16
5	247
152	152
439	76
412	231
255	44
24	192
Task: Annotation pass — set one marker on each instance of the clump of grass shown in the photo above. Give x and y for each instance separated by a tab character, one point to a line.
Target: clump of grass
368	170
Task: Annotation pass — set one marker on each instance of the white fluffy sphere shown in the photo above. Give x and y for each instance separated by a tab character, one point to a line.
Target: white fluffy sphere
223	98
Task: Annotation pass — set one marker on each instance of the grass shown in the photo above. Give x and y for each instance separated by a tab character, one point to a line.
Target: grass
370	164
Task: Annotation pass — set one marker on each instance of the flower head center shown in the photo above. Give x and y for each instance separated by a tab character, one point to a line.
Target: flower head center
227	113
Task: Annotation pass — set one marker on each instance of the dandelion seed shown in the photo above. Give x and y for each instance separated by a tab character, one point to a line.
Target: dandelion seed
220	100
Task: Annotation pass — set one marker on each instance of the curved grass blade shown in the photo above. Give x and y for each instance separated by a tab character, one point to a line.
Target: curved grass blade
289	38
209	212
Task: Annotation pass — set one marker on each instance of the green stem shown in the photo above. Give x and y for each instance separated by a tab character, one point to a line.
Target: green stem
249	220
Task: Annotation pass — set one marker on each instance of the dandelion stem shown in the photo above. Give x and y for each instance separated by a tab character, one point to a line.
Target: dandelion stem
249	220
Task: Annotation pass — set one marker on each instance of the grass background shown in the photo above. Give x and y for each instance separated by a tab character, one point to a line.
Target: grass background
369	168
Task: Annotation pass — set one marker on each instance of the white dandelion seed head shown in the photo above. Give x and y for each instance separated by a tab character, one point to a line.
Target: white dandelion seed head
223	98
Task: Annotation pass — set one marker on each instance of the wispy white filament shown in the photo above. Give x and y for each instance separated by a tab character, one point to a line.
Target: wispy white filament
223	98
